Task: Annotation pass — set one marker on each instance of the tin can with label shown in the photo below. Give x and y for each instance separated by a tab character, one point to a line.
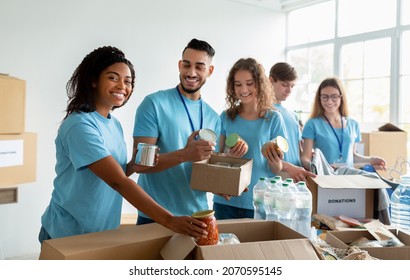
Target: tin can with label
207	216
146	154
206	134
279	143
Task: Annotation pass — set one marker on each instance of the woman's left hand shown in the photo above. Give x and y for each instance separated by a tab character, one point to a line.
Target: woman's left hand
378	163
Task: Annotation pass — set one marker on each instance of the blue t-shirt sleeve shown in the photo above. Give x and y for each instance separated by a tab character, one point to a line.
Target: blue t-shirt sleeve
278	127
145	122
358	133
85	145
223	117
309	130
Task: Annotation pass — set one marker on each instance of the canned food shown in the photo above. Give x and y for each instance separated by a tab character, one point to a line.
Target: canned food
233	139
146	154
207	135
279	143
207	216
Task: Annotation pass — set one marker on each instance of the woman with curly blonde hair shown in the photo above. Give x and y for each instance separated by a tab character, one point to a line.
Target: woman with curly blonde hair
251	115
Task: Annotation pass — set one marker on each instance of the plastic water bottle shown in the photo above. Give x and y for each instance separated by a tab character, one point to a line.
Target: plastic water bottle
292	185
303	209
270	200
258	197
286	206
400	204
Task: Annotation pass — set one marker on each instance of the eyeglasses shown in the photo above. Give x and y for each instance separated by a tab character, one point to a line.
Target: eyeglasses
334	97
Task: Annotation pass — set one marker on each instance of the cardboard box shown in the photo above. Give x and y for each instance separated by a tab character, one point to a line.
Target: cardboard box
145	242
18	158
142	242
349	195
390	143
260	240
341	239
209	177
13	102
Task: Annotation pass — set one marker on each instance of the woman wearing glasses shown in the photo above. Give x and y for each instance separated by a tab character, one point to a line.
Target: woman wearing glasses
332	131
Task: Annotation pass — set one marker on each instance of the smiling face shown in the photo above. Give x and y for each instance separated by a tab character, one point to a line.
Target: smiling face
245	87
113	87
194	68
330	99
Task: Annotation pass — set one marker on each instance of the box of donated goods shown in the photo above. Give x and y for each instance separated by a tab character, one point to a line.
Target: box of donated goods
349	195
367	242
13	102
254	240
390	143
18	158
222	174
259	240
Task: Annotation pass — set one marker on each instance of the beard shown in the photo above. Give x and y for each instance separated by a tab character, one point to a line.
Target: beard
190	91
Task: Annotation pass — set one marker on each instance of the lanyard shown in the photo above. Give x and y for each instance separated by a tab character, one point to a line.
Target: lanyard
341	138
187	112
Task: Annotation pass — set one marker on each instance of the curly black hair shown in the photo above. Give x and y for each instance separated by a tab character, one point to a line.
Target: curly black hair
81	95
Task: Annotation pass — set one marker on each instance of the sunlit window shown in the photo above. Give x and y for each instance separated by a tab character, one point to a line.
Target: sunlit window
311	24
360	16
366	75
405	79
405	11
313	65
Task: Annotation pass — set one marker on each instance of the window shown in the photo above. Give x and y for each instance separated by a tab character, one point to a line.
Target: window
366	45
405	79
366	75
360	16
312	23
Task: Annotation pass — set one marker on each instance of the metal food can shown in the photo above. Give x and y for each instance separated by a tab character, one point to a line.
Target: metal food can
146	154
207	135
279	143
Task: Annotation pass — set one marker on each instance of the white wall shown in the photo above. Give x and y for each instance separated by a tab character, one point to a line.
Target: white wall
43	41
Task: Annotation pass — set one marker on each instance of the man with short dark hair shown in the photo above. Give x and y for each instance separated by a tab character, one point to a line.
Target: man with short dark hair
171	119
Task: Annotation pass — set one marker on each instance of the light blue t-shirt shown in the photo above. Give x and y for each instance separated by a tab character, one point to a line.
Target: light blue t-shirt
81	202
162	115
255	133
319	130
294	135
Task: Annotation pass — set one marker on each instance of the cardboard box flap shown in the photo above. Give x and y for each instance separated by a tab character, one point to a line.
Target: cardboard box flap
349	182
129	242
178	247
389	127
297	249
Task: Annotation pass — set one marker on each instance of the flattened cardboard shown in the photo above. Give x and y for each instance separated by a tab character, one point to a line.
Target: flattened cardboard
349	195
141	242
206	176
261	240
341	239
25	173
13	104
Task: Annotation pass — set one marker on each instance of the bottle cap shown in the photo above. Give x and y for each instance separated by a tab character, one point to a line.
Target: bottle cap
232	139
207	135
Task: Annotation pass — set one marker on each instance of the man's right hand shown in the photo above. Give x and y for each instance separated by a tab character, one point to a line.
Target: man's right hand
197	150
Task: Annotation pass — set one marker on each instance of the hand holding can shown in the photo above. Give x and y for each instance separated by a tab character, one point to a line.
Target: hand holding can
146	154
278	144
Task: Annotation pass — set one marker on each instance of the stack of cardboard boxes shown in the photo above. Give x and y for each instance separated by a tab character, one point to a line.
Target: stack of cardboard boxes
18	149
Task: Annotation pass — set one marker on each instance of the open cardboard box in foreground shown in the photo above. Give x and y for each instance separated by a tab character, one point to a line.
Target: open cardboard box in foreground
259	240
